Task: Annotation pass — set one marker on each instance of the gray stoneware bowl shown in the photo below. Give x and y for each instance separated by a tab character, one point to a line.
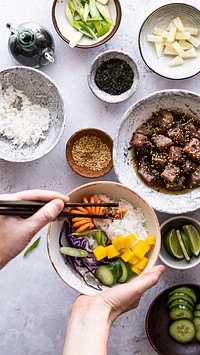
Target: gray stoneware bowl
177	222
104	57
161	18
138	113
40	89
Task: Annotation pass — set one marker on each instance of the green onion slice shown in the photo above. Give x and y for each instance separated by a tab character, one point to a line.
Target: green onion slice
78	253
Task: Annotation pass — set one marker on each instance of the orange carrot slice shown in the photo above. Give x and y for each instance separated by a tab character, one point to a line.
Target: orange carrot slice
84	227
82	209
76	219
80	223
85	200
92	201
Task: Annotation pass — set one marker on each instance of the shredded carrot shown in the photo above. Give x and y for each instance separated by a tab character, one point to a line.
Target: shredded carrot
82	209
76	211
85	200
80	223
85	226
92	201
76	219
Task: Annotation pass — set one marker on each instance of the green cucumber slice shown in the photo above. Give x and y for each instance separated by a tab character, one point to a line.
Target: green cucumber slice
187	290
180	301
118	267
182	245
196	321
179	312
107	275
197	307
182	295
126	272
182	330
197	313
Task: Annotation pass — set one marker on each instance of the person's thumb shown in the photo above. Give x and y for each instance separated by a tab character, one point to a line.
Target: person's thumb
43	216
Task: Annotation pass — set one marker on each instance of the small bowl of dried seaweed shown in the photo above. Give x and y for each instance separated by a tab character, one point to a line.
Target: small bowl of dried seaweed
113	76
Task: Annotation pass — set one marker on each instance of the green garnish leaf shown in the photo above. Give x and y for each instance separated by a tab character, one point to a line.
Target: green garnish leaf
91	231
33	246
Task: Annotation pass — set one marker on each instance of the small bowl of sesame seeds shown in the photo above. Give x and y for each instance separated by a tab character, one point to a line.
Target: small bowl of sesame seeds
89	152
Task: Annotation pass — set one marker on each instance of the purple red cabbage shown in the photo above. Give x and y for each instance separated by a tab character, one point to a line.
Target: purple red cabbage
89	263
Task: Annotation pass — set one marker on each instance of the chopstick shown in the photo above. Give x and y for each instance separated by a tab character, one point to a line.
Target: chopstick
28	213
28	208
39	204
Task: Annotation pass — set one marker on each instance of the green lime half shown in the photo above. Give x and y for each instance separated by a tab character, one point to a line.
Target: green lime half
172	245
194	238
182	245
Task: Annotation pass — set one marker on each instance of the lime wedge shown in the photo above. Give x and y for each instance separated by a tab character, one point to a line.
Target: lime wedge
194	238
186	242
172	245
183	248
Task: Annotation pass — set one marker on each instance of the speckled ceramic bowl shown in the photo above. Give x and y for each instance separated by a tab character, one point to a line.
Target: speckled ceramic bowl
161	18
115	191
104	57
67	32
40	89
177	223
157	325
185	101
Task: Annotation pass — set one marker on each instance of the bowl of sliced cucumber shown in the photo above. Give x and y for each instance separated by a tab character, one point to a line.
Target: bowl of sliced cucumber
180	242
173	321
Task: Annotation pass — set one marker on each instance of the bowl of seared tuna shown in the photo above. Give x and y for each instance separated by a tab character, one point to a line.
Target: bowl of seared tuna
157	150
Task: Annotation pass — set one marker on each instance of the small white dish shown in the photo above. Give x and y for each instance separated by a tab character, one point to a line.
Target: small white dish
161	18
137	114
67	32
104	57
177	222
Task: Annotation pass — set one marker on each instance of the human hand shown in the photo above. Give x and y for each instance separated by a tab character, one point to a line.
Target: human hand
91	316
17	232
121	298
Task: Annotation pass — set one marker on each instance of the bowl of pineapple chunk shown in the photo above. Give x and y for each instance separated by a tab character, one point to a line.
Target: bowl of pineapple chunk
169	41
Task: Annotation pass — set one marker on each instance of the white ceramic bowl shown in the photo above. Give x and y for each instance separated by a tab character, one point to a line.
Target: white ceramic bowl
175	203
161	18
40	89
115	191
67	32
177	222
104	57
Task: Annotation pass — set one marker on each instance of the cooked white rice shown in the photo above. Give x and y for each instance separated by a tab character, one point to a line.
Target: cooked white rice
21	121
133	221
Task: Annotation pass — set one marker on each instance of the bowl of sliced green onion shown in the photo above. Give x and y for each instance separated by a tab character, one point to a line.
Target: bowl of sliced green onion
86	24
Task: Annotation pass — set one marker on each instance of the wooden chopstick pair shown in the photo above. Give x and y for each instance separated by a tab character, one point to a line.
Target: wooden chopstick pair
28	208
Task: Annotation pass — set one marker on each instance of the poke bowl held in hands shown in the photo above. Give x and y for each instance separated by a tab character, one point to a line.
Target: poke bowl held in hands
93	254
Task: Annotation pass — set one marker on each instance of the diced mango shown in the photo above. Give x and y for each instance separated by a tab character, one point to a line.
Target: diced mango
142	263
127	255
99	252
129	239
111	251
141	248
118	242
151	239
134	260
136	270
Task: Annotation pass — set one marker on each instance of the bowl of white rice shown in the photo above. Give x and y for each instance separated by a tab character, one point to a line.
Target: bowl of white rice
32	114
140	219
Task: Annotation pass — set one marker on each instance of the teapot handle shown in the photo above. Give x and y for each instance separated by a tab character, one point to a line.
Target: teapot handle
11	28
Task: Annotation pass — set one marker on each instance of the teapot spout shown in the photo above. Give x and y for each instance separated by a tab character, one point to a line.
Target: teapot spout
48	56
11	28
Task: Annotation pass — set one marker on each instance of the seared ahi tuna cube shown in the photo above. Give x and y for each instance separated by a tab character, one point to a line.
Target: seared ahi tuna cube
195	178
190	128
146	173
166	117
176	134
140	141
162	142
178	185
170	174
193	149
175	154
159	160
188	166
